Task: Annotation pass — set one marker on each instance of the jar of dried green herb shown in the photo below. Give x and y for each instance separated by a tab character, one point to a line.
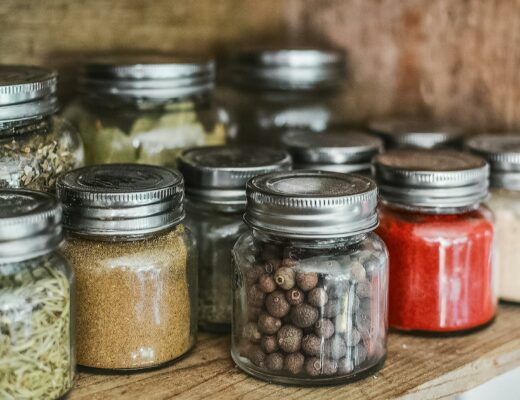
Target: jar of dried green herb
36	146
146	109
36	299
215	200
134	263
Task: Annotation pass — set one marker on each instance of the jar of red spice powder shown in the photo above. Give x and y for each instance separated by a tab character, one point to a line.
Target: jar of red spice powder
440	239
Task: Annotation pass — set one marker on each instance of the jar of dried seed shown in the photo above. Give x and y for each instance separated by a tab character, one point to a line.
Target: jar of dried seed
133	260
310	280
216	197
36	146
36	299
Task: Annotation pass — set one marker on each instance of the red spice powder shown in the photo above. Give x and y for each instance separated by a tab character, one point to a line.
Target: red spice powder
441	269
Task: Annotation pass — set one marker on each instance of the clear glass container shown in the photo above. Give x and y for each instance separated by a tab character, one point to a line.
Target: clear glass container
146	109
142	253
310	299
36	145
36	299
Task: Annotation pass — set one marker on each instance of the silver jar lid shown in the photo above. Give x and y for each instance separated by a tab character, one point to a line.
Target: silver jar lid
502	152
339	151
218	174
148	76
417	133
27	92
311	204
29	224
289	69
431	178
121	199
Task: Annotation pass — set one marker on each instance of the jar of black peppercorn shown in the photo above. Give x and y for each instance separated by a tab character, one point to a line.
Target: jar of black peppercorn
310	280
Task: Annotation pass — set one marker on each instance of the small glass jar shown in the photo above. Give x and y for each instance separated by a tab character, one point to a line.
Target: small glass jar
215	201
134	263
440	238
420	133
310	280
269	91
503	154
36	299
334	150
146	109
36	146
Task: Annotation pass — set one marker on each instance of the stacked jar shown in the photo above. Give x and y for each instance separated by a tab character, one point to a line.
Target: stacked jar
440	239
215	201
268	91
146	109
334	150
36	299
503	154
310	280
134	263
36	146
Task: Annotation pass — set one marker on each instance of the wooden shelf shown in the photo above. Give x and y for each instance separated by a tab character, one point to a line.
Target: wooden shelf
416	368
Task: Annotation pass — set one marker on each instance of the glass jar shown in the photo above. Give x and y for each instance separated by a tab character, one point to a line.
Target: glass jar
310	280
36	299
440	239
503	154
146	109
215	201
134	263
334	150
269	91
36	146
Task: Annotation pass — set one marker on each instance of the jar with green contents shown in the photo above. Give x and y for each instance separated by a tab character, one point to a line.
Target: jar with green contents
36	299
146	109
36	145
215	200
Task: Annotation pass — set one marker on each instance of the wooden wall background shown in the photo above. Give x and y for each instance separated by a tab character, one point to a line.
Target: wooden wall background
457	60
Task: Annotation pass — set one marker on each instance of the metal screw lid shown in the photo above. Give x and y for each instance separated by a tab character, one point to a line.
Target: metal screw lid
289	69
121	199
218	174
148	76
27	92
503	154
29	224
340	151
431	178
311	204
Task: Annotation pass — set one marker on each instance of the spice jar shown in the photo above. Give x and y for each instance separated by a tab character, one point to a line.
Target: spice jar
134	263
310	280
36	146
439	237
36	299
422	133
503	154
268	91
335	150
215	201
146	109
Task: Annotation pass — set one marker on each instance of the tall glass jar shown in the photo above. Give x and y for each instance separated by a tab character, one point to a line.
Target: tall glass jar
334	150
146	109
134	263
272	90
503	154
36	299
310	280
36	146
440	238
215	201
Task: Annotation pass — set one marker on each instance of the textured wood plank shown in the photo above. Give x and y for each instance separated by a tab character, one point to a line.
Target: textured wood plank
417	368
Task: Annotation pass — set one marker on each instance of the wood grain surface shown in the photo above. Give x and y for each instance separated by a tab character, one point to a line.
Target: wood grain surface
416	368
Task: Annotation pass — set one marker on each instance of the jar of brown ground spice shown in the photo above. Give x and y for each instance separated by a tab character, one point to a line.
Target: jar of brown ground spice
134	263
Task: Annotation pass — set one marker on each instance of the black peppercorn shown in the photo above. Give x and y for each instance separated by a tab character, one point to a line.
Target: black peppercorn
318	297
257	356
329	367
313	366
304	315
335	348
312	345
266	283
324	328
251	332
345	366
274	362
290	262
272	264
277	304
253	274
363	322
332	308
306	280
268	324
294	296
269	344
289	338
255	297
294	363
352	338
284	277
